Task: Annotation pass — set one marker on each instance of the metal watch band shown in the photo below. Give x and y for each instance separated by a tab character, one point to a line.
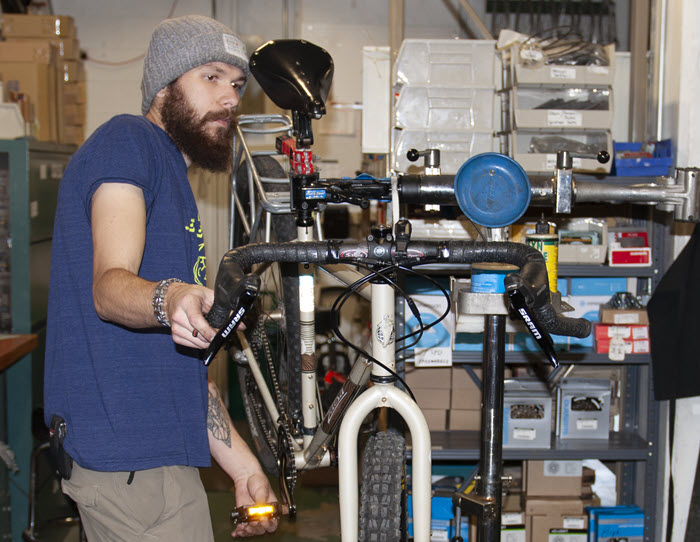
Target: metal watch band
159	300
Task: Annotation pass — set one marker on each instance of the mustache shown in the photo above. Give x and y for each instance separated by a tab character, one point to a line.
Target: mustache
222	114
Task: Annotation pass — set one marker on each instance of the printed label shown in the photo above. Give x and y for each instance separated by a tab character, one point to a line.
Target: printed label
524	434
586	425
512	518
562	72
564	118
617	350
574	523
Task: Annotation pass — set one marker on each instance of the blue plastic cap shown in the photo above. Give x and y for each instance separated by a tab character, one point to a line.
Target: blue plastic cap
492	189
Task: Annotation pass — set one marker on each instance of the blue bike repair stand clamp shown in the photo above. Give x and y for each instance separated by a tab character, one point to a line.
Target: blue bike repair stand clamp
492	190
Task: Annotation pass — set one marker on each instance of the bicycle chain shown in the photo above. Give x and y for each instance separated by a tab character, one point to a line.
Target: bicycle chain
285	442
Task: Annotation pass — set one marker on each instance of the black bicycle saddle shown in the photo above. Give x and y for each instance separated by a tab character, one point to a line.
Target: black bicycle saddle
295	74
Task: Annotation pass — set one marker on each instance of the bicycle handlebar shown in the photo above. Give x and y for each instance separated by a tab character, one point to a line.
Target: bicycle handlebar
531	280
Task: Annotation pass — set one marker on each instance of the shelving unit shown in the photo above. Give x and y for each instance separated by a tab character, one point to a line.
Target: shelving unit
634	452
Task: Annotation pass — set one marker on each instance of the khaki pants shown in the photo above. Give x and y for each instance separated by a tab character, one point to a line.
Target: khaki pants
166	504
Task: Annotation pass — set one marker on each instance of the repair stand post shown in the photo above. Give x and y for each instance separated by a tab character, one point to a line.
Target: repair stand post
491	454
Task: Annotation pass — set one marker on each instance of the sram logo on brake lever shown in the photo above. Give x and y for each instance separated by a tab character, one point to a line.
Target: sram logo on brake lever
248	292
544	340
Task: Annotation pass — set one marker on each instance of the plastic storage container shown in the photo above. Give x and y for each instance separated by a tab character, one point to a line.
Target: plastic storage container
573	107
446	63
536	150
429	108
659	164
564	74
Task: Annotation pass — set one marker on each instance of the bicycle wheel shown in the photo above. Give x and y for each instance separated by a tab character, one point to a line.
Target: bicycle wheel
383	494
275	342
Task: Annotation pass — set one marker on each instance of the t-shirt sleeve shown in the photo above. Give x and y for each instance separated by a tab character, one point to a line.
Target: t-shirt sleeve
122	151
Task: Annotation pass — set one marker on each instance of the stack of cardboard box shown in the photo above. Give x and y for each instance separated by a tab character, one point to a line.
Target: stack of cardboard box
465	406
40	66
431	387
556	496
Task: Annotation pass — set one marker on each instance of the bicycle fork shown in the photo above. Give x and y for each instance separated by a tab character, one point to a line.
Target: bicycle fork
383	394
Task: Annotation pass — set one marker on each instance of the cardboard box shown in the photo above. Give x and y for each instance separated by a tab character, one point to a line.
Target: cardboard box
624	316
631	346
464	420
73	135
436	418
74	92
527	414
566	505
37	26
437	399
74	114
40	51
73	71
623	510
428	377
558	527
66	48
466	394
615	526
612	331
553	479
39	82
629	257
583	406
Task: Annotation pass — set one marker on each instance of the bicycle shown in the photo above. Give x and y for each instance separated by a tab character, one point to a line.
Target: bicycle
293	438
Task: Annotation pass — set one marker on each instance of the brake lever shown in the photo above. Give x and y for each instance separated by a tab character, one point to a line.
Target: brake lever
543	338
250	287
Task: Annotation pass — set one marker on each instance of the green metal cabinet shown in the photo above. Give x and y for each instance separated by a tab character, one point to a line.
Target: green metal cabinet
30	173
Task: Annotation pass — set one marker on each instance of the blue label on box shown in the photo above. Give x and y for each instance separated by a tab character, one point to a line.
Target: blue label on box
598	285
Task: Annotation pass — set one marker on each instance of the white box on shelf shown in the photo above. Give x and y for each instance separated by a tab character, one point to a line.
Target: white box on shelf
449	109
376	100
564	74
568	107
591	251
446	63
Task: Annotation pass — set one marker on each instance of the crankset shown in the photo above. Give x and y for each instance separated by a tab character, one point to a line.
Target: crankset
287	470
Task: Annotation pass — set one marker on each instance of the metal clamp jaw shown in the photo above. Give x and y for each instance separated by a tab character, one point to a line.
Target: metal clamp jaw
564	178
431	159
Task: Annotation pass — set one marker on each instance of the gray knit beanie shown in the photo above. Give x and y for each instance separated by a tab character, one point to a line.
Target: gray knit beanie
181	44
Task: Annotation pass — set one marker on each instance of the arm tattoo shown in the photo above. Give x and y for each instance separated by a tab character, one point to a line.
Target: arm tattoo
218	420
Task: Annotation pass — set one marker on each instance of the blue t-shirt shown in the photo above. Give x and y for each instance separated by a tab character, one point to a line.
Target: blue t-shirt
131	399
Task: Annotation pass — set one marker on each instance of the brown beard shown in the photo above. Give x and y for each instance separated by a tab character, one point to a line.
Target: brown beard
213	152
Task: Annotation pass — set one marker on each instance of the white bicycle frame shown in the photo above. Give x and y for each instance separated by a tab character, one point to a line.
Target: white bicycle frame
379	395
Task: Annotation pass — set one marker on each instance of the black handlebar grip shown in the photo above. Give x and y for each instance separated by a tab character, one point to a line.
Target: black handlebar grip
217	316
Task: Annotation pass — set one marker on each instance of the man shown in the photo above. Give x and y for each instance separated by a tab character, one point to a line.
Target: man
127	298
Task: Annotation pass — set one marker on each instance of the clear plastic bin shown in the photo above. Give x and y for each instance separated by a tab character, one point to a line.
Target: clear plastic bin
564	74
536	150
446	63
429	108
573	107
